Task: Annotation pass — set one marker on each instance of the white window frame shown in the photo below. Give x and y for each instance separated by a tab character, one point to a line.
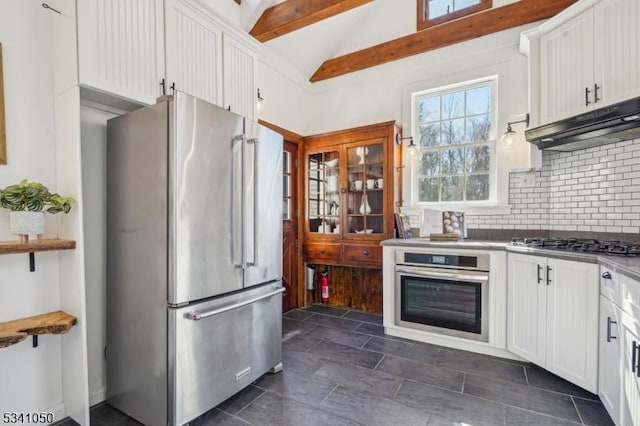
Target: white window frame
493	184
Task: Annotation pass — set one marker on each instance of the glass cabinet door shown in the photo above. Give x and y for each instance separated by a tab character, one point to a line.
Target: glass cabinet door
365	167
323	171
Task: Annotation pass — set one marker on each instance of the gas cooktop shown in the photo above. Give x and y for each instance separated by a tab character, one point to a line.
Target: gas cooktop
624	248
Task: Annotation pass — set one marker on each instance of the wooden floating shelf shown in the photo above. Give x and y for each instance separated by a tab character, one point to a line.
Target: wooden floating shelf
12	332
9	247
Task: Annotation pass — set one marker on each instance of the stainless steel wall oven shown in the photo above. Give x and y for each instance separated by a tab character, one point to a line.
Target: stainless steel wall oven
443	293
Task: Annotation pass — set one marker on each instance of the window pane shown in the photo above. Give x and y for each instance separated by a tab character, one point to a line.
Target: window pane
452	188
430	163
453	105
452	161
429	109
479	100
285	185
439	7
428	189
478	128
478	159
453	132
461	4
430	135
286	156
477	187
285	210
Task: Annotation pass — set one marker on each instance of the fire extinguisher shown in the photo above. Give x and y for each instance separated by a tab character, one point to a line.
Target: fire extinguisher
324	287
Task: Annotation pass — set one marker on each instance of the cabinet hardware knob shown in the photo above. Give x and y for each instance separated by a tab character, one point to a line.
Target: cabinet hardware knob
365	252
321	251
606	275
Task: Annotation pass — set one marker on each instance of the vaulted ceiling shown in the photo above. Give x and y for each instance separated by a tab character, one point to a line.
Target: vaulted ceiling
329	38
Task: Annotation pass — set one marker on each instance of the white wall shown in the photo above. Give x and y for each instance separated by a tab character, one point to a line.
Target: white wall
287	95
588	190
94	173
31	377
383	93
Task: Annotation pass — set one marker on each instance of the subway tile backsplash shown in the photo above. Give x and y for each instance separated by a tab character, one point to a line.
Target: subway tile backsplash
592	190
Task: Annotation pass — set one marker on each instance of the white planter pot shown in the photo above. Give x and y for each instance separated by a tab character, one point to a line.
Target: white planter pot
27	223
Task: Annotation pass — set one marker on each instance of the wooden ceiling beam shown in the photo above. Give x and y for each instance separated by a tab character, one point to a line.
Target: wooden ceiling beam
463	29
292	15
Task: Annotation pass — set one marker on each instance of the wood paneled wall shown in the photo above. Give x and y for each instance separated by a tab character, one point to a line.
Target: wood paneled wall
355	288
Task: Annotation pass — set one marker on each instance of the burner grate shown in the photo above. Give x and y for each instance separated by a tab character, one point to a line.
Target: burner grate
624	248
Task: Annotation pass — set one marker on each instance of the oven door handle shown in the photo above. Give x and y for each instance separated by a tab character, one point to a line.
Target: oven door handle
430	273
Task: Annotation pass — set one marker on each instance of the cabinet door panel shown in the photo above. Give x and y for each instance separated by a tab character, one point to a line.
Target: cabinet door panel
572	322
630	413
239	85
567	68
526	307
194	52
609	358
617	50
121	49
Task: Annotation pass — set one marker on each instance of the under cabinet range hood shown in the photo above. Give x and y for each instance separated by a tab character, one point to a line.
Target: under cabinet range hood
613	123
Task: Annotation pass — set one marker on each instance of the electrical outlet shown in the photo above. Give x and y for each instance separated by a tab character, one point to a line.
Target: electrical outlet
528	180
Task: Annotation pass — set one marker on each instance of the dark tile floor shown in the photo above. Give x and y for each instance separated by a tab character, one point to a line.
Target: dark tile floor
340	369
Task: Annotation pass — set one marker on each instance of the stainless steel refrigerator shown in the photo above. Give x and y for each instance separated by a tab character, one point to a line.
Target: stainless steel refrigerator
194	258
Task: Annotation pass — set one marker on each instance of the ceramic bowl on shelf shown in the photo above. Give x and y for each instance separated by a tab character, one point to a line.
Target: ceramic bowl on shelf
365	231
331	163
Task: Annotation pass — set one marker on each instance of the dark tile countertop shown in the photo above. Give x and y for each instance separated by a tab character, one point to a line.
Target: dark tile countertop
629	266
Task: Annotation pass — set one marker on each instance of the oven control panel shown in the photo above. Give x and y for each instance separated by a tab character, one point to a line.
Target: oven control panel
476	262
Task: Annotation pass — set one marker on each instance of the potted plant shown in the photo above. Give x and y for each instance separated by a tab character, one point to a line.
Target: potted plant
28	202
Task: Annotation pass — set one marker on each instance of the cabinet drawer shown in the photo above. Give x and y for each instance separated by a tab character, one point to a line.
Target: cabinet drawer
362	253
323	251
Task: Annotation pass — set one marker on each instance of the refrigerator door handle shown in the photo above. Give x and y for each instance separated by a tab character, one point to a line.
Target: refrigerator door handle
251	257
237	204
198	316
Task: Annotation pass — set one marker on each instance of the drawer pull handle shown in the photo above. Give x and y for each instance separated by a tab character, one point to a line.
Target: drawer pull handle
322	251
539	277
609	336
365	252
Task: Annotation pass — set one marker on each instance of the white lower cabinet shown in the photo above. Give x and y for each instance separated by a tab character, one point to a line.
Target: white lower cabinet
609	358
552	317
630	396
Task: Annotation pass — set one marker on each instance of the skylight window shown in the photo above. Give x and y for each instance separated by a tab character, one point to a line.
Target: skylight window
434	12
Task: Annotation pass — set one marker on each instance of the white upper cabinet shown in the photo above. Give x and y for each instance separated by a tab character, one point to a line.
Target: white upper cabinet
240	91
127	48
194	52
566	74
121	47
617	50
588	57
